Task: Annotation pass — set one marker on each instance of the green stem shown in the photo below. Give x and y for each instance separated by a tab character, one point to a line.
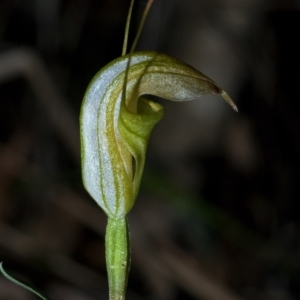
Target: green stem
127	28
117	243
144	17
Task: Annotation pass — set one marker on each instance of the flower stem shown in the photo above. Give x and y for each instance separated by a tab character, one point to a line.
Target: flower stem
117	243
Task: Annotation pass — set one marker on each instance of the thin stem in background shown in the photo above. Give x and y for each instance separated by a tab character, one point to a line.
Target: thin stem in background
127	28
145	14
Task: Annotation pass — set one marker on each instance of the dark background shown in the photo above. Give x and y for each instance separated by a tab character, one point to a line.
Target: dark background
217	214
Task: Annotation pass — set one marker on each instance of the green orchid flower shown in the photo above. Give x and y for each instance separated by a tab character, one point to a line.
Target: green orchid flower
116	122
115	130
